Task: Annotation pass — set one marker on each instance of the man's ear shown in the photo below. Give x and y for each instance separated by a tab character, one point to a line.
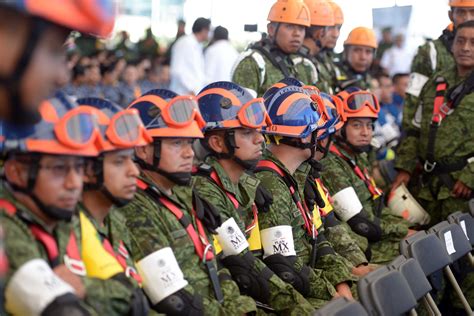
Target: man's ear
450	14
16	173
143	152
271	29
216	143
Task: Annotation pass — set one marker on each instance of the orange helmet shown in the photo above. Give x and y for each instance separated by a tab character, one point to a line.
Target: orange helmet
359	103
165	114
362	36
88	16
290	11
321	12
461	3
64	129
338	14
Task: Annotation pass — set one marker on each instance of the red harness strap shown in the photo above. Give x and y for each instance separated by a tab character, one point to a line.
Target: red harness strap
72	259
363	175
121	257
236	203
305	213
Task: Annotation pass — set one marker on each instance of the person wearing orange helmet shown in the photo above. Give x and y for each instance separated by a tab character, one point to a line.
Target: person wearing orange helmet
358	55
35	31
346	174
110	182
43	170
273	58
169	223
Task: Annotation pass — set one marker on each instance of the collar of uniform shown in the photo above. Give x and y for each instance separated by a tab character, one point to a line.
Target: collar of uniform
302	173
222	174
102	229
177	192
7	194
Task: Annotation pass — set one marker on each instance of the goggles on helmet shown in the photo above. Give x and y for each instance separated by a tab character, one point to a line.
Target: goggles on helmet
356	101
127	130
78	128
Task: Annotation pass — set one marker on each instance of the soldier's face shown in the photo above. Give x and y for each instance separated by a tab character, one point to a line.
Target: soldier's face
463	47
330	38
120	174
359	131
461	15
176	155
288	37
249	144
360	57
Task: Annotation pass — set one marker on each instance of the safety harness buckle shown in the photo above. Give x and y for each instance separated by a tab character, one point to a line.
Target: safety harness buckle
428	166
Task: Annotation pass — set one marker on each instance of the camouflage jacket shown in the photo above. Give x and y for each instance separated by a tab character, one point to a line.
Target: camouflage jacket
346	77
433	56
334	267
338	237
284	211
255	71
104	297
337	175
153	227
454	138
283	297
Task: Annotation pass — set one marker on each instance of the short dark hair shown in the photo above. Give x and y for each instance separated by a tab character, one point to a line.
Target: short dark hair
201	24
463	25
396	77
221	33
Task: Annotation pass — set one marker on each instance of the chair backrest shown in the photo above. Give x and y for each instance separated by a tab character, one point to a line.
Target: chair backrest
385	292
413	274
428	250
466	221
454	239
341	307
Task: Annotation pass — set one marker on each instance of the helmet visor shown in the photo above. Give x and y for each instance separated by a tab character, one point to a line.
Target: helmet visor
358	100
78	130
253	114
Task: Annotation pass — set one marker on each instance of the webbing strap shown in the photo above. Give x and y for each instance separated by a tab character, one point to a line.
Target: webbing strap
121	257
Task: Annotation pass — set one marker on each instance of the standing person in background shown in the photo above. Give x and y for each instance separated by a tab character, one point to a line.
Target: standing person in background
397	59
180	32
187	68
383	45
220	56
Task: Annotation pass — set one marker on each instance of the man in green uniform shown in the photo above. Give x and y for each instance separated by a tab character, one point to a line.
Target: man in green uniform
234	143
433	56
288	233
274	58
346	174
169	223
359	50
445	130
44	241
110	181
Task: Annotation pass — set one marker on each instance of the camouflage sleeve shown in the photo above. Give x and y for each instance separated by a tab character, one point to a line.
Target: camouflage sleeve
466	175
216	197
335	269
234	302
247	74
393	226
335	175
407	154
345	245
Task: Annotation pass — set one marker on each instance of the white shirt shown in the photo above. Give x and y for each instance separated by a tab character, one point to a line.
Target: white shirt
220	58
187	66
397	60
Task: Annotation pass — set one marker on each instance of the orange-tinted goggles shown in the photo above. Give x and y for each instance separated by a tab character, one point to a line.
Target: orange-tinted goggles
357	100
78	128
253	114
127	130
182	111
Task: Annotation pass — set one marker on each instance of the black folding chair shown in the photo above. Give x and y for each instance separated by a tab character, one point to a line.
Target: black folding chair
419	284
385	292
341	307
466	221
457	246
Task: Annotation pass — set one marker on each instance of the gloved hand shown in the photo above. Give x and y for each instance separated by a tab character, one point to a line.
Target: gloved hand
263	199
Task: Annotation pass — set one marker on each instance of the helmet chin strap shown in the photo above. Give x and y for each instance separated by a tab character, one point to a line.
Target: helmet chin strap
312	145
179	178
229	141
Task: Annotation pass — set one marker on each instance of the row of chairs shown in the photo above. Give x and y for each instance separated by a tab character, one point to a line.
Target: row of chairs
398	288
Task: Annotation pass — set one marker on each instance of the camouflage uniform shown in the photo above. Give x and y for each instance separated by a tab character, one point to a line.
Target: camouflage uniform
284	211
283	297
346	77
337	175
454	141
255	71
153	227
335	268
104	297
338	236
431	57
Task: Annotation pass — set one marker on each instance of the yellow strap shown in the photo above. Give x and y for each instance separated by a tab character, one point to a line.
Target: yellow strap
217	247
327	205
255	242
317	217
99	263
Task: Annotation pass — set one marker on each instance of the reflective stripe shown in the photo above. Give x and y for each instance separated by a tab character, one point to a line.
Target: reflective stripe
433	55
